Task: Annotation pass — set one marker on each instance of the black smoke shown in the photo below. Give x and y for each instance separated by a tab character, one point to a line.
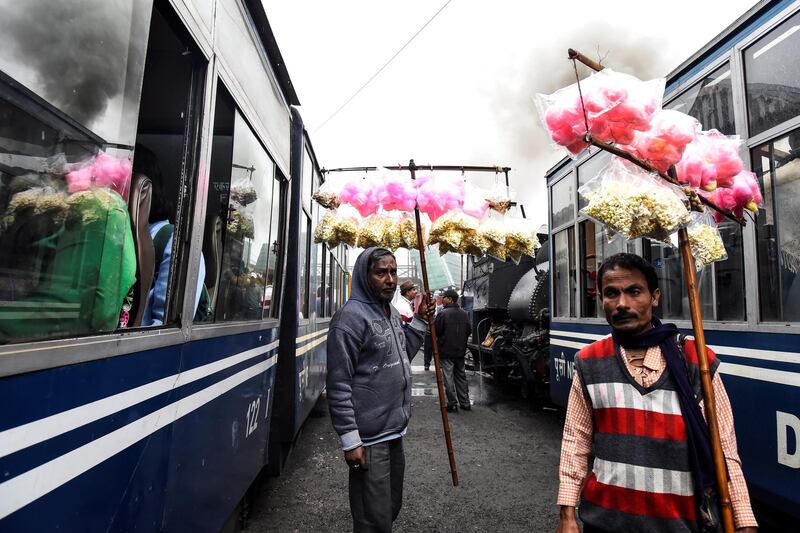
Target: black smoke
78	50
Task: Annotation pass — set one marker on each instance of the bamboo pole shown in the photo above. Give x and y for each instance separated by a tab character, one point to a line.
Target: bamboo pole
690	274
720	469
434	341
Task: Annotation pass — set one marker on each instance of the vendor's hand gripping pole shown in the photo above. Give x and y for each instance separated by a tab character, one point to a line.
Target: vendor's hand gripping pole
689	273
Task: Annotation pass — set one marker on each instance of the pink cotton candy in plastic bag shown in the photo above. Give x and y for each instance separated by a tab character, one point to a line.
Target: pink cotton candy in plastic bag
437	195
664	143
744	193
362	194
617	105
710	161
104	171
397	193
475	203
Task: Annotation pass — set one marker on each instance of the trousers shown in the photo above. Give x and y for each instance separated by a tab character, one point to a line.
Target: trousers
428	350
455	382
376	494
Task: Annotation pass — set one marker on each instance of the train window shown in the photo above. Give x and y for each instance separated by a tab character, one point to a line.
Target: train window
778	228
596	248
590	169
305	231
331	276
564	273
674	303
563	198
315	283
69	122
710	101
272	291
729	274
165	154
241	224
772	77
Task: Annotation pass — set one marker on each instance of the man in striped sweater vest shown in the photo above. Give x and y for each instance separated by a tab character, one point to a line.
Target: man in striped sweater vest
636	404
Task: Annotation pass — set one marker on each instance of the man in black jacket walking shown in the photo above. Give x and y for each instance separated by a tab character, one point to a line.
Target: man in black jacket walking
452	331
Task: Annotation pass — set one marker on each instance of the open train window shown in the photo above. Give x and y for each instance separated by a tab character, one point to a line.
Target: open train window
165	159
241	245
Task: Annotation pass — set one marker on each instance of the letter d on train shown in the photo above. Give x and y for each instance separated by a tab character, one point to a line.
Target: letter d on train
788	422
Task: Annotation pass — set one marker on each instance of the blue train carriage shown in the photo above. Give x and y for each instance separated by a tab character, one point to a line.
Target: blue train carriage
127	408
316	286
745	82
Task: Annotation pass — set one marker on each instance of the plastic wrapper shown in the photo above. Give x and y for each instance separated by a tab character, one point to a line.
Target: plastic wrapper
408	230
32	202
104	170
475	201
705	240
241	224
326	230
663	144
744	193
436	195
710	161
500	198
455	232
617	105
337	227
244	194
494	232
373	231
520	239
397	192
362	194
634	203
328	200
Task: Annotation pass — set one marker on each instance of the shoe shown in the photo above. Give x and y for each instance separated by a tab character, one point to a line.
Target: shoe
452	408
466	408
427	369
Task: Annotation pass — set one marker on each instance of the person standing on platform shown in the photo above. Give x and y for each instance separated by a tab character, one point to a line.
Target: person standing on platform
405	301
369	388
452	332
636	403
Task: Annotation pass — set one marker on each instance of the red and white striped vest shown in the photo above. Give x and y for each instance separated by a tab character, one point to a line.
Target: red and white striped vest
641	479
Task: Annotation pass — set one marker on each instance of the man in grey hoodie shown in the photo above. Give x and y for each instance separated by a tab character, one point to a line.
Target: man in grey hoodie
369	388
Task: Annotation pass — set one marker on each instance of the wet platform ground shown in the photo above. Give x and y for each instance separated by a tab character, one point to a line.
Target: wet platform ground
507	459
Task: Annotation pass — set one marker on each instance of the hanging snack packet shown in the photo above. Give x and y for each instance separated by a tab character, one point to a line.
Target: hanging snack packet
495	234
636	204
373	231
520	238
705	240
408	231
500	198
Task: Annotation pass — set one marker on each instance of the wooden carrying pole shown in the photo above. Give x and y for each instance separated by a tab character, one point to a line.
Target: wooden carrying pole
689	272
434	342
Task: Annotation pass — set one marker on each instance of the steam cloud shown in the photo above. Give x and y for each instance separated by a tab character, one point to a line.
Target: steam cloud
548	71
79	51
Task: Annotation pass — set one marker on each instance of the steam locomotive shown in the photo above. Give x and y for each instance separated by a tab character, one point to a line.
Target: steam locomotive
509	307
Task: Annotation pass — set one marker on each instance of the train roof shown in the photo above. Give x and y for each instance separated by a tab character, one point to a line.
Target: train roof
259	16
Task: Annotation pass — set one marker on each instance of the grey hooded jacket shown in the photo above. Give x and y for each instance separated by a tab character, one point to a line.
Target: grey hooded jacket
369	373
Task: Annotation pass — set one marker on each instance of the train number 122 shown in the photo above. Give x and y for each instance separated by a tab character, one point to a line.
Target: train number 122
252	416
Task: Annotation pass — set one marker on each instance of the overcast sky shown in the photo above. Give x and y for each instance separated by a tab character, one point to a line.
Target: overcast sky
461	92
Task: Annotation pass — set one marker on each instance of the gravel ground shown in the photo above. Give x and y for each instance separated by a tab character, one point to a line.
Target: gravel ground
507	459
